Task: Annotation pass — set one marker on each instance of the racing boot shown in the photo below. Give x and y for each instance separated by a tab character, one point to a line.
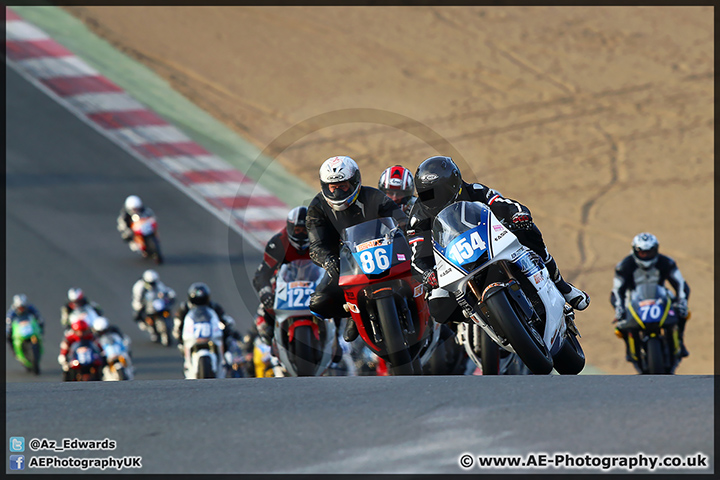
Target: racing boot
351	331
577	299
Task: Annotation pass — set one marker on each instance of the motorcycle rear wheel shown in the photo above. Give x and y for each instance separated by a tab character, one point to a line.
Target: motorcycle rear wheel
304	357
526	341
398	353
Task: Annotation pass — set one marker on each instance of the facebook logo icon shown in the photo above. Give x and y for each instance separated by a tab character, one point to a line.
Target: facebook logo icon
17	462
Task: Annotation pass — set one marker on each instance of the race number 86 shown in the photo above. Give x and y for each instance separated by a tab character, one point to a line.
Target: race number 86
375	259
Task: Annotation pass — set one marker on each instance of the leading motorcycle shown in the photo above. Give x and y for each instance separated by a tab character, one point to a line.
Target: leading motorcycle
386	302
651	324
504	287
304	343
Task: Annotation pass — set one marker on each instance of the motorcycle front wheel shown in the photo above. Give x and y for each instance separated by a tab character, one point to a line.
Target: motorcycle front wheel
304	356
205	367
655	361
400	361
152	247
525	340
570	360
489	353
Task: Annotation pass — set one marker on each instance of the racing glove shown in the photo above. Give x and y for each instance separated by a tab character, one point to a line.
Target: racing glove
682	307
267	298
332	266
521	221
430	280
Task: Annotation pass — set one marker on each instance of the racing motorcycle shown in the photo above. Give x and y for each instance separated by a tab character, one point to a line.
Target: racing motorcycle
117	357
505	288
487	355
304	343
651	323
27	342
158	317
202	344
145	237
387	304
266	364
85	362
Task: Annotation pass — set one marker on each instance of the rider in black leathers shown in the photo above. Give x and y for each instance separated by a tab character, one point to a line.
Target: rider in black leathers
343	202
646	265
438	183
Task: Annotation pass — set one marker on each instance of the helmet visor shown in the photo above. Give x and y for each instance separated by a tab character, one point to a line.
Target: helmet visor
337	191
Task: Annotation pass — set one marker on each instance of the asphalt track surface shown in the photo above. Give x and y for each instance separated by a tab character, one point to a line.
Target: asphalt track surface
65	184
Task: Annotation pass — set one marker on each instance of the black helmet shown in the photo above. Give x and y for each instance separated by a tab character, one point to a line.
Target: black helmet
438	183
296	228
199	294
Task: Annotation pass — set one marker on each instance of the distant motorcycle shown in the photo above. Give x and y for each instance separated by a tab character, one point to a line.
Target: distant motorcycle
235	360
158	318
145	237
266	364
85	362
505	288
202	343
117	358
304	343
27	342
652	326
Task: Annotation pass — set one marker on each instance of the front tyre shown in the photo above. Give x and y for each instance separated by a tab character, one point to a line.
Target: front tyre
152	247
304	356
400	360
35	359
205	369
525	340
570	359
655	361
489	354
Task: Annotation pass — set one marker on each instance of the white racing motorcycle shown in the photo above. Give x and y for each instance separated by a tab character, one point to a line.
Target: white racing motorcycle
202	344
505	288
304	343
115	349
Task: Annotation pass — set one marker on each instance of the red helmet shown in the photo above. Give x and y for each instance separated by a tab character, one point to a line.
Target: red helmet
397	183
80	326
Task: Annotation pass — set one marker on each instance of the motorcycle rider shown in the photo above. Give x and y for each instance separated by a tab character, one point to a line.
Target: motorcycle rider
291	243
21	308
397	183
645	265
79	330
199	295
342	202
101	327
148	284
76	300
133	205
439	183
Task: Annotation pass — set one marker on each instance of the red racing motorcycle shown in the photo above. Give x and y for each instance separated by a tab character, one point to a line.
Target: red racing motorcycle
387	304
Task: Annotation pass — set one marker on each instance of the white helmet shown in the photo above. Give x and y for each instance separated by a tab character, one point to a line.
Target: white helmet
150	276
337	170
645	248
19	300
75	294
133	204
100	324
